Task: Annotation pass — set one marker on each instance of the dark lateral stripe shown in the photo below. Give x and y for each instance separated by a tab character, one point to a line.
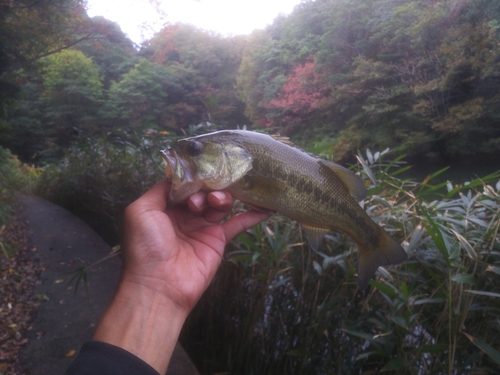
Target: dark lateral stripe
303	184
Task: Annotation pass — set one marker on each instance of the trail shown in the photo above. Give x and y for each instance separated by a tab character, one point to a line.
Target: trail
65	320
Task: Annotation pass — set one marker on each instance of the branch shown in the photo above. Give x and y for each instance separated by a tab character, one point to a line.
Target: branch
64	47
6	3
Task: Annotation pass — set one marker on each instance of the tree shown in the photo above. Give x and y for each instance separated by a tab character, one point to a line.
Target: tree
302	96
110	49
145	96
214	61
30	30
56	106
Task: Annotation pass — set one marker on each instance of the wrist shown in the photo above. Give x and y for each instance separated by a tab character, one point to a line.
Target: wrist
143	322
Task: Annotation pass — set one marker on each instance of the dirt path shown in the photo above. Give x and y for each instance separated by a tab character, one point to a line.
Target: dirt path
65	320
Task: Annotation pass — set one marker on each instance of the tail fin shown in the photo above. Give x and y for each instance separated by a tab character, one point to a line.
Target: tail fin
385	253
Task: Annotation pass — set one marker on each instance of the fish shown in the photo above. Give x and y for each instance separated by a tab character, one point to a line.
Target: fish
271	173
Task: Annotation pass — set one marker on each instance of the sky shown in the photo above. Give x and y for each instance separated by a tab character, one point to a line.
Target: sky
139	19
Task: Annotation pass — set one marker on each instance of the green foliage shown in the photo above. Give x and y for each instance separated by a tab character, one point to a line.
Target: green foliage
378	73
422	74
206	65
97	179
109	48
277	307
15	177
30	30
56	106
145	97
69	71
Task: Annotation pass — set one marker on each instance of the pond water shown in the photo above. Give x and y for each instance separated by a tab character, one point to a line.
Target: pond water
456	173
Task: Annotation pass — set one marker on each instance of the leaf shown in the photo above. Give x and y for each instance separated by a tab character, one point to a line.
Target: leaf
367	170
494	269
317	268
369	156
429	300
436	234
384	288
489	350
400	321
395	364
381	353
464	278
481	293
247	241
363	335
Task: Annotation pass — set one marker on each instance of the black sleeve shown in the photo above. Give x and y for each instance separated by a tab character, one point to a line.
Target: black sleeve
99	358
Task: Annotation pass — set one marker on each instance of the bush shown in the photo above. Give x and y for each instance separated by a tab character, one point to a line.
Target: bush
96	180
14	177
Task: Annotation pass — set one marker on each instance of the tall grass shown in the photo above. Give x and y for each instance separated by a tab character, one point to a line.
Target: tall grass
276	307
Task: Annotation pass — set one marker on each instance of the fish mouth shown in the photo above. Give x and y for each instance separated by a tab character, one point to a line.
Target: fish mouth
180	174
176	168
170	160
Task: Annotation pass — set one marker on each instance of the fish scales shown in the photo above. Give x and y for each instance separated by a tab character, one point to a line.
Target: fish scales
271	173
310	182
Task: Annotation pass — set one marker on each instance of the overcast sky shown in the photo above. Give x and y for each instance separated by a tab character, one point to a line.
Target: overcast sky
139	19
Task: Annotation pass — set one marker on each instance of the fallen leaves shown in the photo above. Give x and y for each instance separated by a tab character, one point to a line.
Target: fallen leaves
18	276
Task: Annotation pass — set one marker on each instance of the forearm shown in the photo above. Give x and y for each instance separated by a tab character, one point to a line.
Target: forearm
142	322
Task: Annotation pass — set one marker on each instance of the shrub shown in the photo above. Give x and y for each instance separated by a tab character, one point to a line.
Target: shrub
97	179
14	177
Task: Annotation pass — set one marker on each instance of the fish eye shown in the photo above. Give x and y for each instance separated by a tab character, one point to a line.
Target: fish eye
194	148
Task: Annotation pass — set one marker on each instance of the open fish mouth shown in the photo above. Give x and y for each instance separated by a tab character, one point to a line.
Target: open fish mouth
177	169
170	160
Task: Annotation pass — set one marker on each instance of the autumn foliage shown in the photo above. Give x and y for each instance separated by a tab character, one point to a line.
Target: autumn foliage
303	93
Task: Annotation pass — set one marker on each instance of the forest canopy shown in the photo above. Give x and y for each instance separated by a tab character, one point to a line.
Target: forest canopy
336	74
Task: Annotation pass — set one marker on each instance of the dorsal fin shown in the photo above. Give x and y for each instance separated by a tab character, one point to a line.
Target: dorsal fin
283	139
352	182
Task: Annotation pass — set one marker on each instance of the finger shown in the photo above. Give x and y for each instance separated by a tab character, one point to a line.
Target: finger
220	200
197	202
221	203
155	198
242	222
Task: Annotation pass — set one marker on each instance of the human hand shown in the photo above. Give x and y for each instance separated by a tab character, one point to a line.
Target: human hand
175	251
170	256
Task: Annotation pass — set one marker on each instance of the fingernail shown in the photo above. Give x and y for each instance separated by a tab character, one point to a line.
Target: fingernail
219	195
197	200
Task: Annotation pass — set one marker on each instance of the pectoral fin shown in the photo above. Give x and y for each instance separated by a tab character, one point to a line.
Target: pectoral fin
314	235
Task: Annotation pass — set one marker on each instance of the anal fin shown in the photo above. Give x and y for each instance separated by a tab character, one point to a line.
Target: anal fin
314	235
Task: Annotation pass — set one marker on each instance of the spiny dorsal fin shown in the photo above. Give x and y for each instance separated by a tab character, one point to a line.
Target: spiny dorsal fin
352	182
283	139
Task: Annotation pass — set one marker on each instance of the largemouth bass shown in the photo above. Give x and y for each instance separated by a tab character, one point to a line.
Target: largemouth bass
271	173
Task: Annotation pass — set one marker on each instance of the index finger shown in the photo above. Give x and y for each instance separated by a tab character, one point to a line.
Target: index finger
242	222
